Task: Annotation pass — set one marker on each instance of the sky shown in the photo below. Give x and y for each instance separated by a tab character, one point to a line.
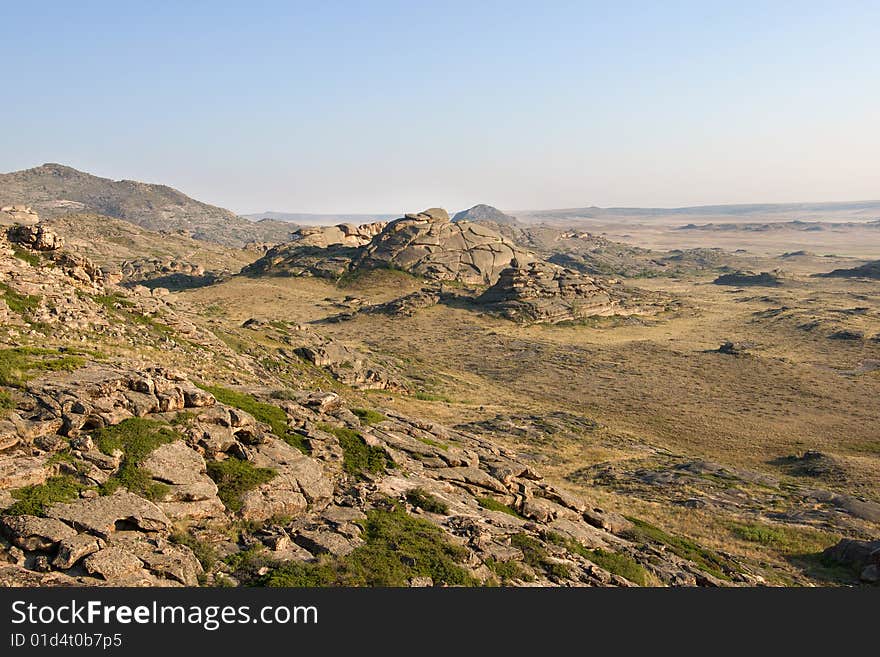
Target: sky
385	107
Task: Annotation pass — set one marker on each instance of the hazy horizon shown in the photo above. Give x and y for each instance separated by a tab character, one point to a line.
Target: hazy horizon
353	109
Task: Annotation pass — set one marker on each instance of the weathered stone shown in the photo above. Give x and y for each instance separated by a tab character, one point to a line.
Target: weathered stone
38	237
33	533
17	471
607	520
71	550
542	292
112	563
161	558
104	515
473	476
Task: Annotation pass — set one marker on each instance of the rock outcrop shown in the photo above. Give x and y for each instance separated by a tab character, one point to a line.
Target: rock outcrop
342	234
861	556
38	237
428	244
747	278
425	244
869	270
541	292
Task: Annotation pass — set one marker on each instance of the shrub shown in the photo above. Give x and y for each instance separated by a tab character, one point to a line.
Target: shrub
368	417
136	438
358	457
494	505
422	499
6	402
272	415
234	477
35	500
205	553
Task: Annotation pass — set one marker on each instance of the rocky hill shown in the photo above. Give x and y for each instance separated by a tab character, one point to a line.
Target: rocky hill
55	190
484	214
426	244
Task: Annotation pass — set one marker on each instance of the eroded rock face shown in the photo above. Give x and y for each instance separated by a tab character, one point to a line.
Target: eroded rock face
102	516
35	236
295	259
428	244
342	234
540	292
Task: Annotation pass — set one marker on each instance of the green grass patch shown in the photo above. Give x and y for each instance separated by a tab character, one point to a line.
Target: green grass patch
422	499
433	397
31	258
509	571
112	302
614	562
136	438
358	457
270	414
35	500
234	477
432	443
706	559
6	403
17	302
369	417
397	548
20	363
492	504
183	418
535	555
787	540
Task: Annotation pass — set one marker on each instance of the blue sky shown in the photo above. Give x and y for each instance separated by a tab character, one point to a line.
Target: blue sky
394	106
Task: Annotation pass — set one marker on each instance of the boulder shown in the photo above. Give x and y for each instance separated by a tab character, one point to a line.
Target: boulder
71	550
112	563
102	516
33	533
541	292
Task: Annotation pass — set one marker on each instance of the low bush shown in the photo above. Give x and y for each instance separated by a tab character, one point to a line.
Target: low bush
234	477
422	499
136	438
358	457
35	500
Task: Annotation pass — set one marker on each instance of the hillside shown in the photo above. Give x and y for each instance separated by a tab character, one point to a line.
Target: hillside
55	190
484	214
